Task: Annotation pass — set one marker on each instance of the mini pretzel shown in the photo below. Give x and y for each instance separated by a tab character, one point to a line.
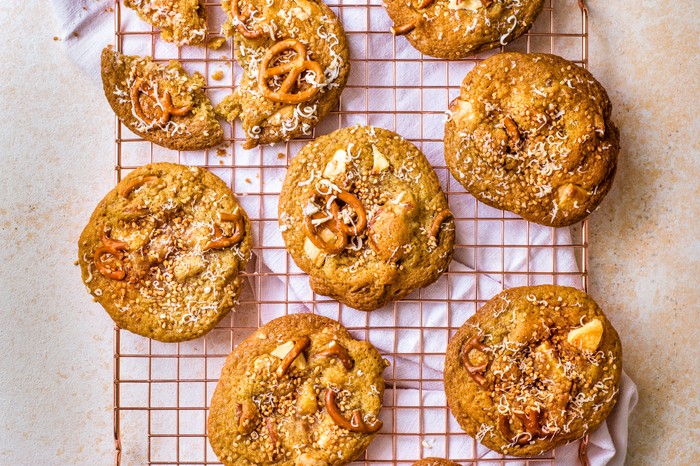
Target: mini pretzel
135	184
292	69
222	241
141	85
408	27
512	129
530	421
356	205
294	353
356	424
427	3
476	372
438	221
246	419
114	248
337	350
341	240
241	18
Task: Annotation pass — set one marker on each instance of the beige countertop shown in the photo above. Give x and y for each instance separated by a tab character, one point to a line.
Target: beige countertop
56	161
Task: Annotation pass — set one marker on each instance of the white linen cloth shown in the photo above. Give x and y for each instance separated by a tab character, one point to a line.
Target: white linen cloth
87	26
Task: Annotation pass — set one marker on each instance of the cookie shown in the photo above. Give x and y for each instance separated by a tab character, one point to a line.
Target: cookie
299	391
362	212
457	28
160	103
435	462
532	134
163	251
183	22
535	368
296	62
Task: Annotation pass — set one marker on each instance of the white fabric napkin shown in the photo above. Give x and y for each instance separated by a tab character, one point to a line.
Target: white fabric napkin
476	273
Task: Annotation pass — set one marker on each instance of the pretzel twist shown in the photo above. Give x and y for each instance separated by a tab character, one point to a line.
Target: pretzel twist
476	372
220	241
115	249
135	184
299	346
292	69
340	230
241	18
408	27
356	423
141	85
438	221
337	350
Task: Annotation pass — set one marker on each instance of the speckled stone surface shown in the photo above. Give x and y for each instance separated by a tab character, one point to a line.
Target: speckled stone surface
56	159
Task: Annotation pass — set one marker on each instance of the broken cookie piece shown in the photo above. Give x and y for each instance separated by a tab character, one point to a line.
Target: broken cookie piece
183	22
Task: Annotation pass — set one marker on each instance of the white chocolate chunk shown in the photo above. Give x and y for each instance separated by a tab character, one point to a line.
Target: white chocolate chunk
282	350
337	164
380	162
313	253
473	5
587	338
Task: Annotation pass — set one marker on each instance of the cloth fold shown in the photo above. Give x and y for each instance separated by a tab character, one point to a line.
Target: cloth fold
412	335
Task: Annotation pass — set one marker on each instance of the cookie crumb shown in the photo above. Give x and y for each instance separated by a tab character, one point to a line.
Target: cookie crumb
217	75
216	42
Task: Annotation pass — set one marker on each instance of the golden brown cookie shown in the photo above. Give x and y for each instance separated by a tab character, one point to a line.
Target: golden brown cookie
162	104
435	462
362	212
295	57
183	22
163	251
531	133
457	28
299	391
535	368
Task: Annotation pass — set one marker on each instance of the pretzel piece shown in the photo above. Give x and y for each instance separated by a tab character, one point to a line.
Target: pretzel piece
356	424
299	346
292	69
115	249
438	221
241	18
135	184
220	241
166	103
355	204
476	372
408	27
337	350
530	421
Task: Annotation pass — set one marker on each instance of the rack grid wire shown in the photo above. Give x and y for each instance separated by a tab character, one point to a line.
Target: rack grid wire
162	391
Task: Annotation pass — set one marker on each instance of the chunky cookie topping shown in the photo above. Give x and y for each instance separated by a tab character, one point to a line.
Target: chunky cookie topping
162	253
296	63
532	134
542	365
298	391
363	206
457	28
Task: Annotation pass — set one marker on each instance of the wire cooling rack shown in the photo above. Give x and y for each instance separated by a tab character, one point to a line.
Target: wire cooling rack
162	391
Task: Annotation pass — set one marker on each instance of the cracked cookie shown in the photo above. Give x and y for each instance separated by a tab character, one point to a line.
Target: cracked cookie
299	391
183	22
532	134
535	368
160	103
457	28
163	251
295	59
362	212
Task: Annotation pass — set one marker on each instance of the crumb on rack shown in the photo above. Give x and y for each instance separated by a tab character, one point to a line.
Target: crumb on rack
217	75
216	42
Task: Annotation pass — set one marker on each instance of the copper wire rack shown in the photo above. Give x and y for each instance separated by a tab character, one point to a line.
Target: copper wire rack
162	391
